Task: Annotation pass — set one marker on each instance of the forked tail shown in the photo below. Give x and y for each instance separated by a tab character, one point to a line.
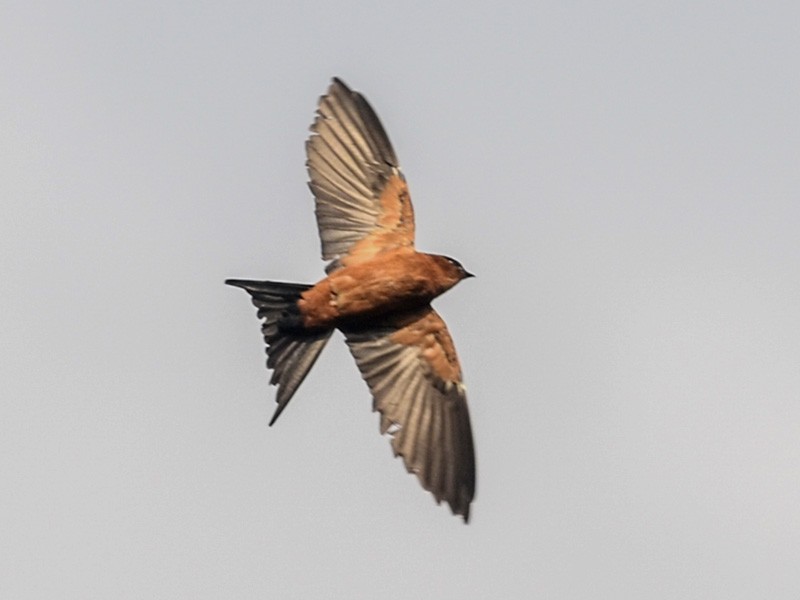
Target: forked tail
291	349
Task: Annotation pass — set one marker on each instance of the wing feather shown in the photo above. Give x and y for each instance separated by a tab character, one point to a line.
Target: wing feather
412	370
362	202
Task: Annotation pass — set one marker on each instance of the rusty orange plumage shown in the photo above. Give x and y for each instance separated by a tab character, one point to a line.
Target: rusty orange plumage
377	291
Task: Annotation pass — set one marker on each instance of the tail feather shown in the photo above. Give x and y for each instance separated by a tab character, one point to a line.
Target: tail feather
291	349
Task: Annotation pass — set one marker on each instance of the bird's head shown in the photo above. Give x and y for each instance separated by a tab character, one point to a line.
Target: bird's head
452	269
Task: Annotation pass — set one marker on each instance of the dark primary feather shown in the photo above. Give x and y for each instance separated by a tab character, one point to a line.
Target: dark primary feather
291	350
428	417
350	159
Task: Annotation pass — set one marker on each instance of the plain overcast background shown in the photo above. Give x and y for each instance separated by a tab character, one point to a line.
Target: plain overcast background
623	178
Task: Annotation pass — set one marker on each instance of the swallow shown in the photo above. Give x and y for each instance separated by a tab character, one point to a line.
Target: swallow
377	291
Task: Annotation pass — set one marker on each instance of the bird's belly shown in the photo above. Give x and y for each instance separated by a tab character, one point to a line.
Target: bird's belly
368	290
378	295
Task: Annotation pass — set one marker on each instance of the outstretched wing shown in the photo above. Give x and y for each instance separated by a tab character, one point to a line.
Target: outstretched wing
411	368
362	201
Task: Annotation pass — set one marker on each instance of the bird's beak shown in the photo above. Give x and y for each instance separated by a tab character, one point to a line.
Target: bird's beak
468	275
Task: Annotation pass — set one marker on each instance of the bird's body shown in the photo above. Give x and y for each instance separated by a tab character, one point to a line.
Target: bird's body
396	280
377	292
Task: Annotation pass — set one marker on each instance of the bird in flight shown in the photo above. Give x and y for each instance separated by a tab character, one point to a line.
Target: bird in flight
377	292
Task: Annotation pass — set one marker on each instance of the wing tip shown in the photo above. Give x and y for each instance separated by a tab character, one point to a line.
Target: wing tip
276	414
339	82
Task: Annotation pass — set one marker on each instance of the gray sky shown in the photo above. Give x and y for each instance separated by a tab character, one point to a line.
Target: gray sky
623	178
